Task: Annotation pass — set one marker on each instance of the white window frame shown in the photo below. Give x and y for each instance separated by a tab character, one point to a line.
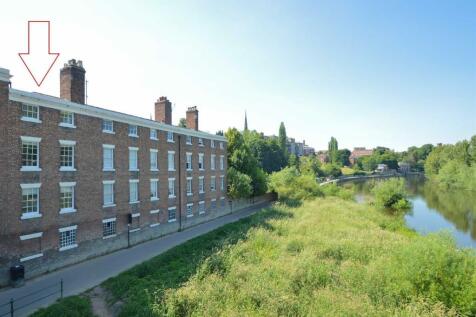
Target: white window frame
112	127
221	146
154	157
154	196
201	161
222	182
200	142
31	119
189	214
112	204
201	184
115	228
154	212
34	141
133	150
67	124
32	214
222	162
36	235
168	215
169	135
213	158
71	185
189	188
213	183
154	132
173	161
201	207
171	193
108	147
133	135
212	144
136	200
214	200
70	246
188	140
64	143
188	161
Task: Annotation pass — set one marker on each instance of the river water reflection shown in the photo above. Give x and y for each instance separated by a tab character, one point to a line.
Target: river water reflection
435	210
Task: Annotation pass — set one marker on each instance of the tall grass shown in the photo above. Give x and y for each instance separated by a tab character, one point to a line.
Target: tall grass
328	257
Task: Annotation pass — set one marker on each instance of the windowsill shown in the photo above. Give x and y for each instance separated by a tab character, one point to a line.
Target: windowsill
134	230
201	169
30	169
133	135
189	194
189	170
172	170
67	125
201	145
31	257
110	236
30	215
108	169
201	192
134	170
134	202
170	197
67	169
154	139
201	212
108	132
213	190
33	120
67	211
69	247
172	220
188	143
190	216
169	141
109	206
154	199
154	225
154	169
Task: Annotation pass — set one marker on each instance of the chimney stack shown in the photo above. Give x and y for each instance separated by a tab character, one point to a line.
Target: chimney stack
4	85
163	110
73	82
192	118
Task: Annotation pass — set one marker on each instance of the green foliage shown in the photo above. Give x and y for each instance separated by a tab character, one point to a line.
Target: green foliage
380	155
332	170
239	184
310	165
283	139
343	157
290	185
333	150
182	123
328	257
391	194
416	156
453	166
73	306
241	158
334	190
268	152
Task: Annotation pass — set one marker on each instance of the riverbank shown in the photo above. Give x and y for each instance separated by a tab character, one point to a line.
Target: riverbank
327	257
344	179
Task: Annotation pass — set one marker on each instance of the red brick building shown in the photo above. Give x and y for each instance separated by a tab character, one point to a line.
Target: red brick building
79	181
359	152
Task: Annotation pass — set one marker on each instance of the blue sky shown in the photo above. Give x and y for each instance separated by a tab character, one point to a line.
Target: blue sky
391	73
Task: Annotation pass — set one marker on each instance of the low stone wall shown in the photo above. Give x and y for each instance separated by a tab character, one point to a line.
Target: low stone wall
53	259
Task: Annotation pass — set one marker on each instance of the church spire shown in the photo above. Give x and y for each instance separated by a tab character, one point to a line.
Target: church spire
246	122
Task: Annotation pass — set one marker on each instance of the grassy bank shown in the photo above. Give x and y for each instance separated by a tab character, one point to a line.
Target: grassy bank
328	257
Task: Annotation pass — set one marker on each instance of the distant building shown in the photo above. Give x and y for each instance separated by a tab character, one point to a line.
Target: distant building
323	156
309	150
381	168
296	148
359	152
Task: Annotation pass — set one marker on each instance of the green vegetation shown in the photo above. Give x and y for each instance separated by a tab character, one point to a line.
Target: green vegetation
292	186
416	156
391	194
328	257
380	155
73	306
453	166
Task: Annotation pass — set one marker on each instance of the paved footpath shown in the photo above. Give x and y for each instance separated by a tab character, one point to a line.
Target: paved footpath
85	275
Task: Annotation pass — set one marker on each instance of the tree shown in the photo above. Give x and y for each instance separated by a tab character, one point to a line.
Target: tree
343	157
220	132
239	184
182	123
333	150
283	139
309	165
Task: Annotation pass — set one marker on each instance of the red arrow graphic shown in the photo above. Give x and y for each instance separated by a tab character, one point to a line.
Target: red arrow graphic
39	60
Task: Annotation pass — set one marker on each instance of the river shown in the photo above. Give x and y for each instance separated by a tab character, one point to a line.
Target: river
435	209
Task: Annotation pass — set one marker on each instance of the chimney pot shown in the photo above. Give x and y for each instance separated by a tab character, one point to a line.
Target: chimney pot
192	118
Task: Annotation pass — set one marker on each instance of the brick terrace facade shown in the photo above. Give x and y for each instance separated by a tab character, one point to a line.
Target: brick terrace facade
68	185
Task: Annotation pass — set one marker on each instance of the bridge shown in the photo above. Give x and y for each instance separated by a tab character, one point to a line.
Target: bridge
343	179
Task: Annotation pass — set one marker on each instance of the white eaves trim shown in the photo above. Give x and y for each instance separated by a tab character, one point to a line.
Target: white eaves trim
87	110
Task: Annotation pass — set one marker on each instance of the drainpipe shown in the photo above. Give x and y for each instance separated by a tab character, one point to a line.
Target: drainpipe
180	181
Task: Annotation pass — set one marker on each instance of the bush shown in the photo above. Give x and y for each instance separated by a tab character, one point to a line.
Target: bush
332	170
290	185
239	184
391	194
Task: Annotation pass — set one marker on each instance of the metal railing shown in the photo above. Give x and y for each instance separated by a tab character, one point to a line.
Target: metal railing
16	304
